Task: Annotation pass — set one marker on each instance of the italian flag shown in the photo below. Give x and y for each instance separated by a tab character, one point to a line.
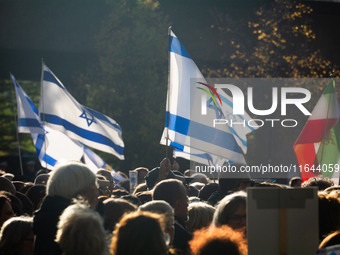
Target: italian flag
317	147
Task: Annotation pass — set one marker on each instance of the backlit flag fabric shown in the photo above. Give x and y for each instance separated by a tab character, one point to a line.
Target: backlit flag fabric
58	148
184	123
310	146
28	117
239	130
59	110
51	147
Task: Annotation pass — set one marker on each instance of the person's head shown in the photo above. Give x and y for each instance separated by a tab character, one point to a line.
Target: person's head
163	208
231	211
207	190
200	216
17	236
329	211
81	231
173	192
199	177
321	182
6	211
36	194
139	233
107	174
9	176
218	241
114	209
197	185
330	240
295	182
6	185
41	179
234	184
16	204
72	179
140	188
141	173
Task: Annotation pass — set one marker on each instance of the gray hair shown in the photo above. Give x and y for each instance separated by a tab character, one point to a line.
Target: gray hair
200	216
69	179
81	231
227	207
13	232
159	207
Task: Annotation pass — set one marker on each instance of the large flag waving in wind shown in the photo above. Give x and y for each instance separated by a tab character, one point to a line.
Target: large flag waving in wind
313	148
184	125
59	110
51	145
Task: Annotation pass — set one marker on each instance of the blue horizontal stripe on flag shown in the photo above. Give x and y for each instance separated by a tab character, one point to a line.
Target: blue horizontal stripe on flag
39	146
50	78
202	132
29	123
177	146
177	47
102	117
49	160
89	135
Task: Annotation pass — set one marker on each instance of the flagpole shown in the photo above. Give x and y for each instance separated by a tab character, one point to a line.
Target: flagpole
43	108
16	129
168	97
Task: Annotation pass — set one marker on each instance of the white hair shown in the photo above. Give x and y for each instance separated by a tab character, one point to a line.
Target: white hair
69	179
81	231
200	216
157	206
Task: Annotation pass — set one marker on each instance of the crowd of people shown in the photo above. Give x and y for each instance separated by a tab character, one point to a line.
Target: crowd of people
73	210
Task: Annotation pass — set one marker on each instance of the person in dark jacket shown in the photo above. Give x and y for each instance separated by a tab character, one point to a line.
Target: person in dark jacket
70	180
174	192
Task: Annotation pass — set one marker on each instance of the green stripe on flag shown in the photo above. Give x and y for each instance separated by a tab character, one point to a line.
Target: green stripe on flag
330	88
329	155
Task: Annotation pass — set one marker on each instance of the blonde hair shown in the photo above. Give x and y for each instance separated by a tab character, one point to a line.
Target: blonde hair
70	179
139	233
81	231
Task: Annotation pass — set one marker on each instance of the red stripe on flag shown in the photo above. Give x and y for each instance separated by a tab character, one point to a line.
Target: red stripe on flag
306	156
314	130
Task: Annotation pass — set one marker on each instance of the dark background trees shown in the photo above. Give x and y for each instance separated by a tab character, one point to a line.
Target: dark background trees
112	56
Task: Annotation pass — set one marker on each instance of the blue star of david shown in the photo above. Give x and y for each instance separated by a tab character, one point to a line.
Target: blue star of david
89	118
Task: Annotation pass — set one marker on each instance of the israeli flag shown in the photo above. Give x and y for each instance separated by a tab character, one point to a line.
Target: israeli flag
55	147
185	124
60	111
239	130
28	117
52	146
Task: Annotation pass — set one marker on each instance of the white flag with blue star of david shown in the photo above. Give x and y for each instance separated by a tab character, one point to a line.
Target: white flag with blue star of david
60	111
